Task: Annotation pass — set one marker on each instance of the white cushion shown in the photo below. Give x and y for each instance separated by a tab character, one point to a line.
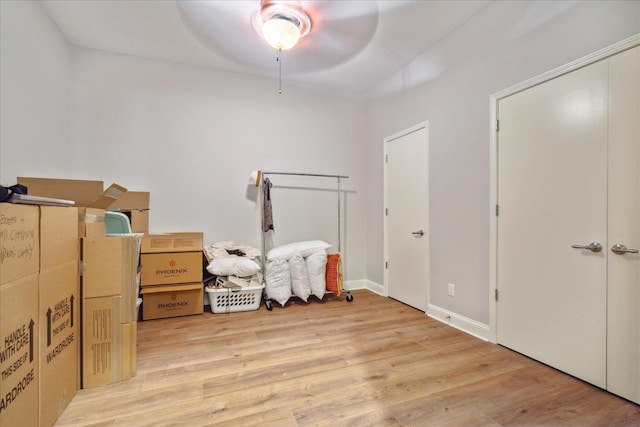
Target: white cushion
299	277
304	249
233	266
317	269
278	281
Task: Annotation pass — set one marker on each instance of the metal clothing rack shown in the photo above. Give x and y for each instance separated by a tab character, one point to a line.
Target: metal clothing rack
338	178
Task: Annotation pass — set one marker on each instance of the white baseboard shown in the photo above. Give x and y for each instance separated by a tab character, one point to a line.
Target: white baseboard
470	326
464	324
364	284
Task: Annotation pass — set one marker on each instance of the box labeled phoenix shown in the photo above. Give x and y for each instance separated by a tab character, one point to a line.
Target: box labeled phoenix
171	258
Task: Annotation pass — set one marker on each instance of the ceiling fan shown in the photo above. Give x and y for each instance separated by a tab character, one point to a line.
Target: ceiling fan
324	33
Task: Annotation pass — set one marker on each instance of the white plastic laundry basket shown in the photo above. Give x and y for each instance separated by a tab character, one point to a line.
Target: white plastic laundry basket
230	300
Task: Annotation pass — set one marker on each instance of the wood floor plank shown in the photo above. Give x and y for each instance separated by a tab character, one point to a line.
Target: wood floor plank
372	362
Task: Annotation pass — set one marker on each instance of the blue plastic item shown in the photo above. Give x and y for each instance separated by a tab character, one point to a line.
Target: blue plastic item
117	223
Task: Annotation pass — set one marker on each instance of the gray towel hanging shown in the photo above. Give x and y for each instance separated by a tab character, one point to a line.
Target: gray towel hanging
267	211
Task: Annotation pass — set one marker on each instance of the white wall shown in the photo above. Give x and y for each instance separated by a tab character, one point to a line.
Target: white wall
191	136
35	93
456	104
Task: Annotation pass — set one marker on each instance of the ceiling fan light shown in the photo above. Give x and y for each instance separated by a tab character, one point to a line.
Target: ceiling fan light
280	33
281	23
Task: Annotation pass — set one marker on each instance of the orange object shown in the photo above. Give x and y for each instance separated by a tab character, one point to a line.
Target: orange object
334	274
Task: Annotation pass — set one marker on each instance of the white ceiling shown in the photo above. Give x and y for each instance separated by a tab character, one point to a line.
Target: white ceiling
357	48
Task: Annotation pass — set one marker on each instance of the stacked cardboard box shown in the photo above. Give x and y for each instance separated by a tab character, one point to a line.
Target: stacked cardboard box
135	205
19	321
92	201
109	310
59	314
171	276
89	197
39	313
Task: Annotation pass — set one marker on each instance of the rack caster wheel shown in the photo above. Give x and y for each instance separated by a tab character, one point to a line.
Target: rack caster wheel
349	297
268	304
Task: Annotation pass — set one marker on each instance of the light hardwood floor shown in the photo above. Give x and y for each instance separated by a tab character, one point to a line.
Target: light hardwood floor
372	362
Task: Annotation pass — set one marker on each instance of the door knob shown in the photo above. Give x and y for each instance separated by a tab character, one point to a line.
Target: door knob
418	233
593	247
621	249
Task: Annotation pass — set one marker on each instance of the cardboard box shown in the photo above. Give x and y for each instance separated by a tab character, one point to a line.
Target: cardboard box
91	219
59	318
19	347
172	242
59	310
171	301
135	205
109	266
128	352
101	341
19	241
130	286
170	268
139	220
46	237
108	197
88	196
109	309
131	200
58	236
91	222
82	192
108	347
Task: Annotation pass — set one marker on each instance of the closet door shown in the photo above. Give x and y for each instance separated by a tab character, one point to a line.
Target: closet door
568	271
623	326
552	195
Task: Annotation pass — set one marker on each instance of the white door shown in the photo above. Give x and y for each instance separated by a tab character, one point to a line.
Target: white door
569	176
406	218
552	195
623	326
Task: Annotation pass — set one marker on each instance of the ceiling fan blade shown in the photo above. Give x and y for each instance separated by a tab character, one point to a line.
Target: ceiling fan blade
226	27
333	43
348	9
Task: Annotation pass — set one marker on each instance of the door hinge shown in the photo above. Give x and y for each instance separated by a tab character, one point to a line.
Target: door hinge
386	265
496	294
386	211
386	158
497	210
497	125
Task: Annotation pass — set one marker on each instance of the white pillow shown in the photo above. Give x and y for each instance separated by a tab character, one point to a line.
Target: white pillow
299	277
305	249
317	269
233	266
277	281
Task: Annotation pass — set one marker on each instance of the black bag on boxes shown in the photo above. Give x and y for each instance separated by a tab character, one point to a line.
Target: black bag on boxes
7	192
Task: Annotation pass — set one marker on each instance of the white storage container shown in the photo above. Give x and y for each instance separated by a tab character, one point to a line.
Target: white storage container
230	300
